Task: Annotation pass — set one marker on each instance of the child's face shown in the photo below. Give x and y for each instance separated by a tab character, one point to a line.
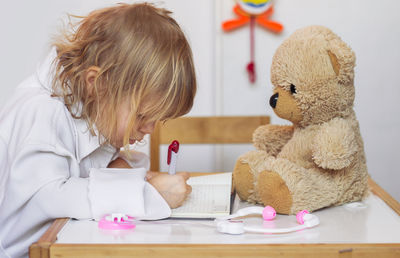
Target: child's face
122	123
123	115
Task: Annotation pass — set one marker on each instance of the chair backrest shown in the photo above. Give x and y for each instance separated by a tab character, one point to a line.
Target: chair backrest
203	130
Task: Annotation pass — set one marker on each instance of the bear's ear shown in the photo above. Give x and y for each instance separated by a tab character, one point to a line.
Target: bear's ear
334	62
342	59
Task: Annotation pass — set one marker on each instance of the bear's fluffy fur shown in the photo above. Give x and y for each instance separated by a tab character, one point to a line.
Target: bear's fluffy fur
319	161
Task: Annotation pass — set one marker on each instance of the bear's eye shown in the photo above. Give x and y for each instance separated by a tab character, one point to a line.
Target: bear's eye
292	89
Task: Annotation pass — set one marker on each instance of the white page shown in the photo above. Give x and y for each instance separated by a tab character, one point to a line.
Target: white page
210	197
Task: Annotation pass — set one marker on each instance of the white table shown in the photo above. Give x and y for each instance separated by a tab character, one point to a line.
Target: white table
370	229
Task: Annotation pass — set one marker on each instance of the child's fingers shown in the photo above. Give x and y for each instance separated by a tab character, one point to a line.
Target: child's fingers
188	189
185	175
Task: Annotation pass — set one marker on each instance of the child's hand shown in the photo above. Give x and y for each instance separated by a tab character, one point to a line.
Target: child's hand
150	174
173	188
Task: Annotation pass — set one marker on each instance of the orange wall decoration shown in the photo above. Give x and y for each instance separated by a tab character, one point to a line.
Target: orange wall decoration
252	12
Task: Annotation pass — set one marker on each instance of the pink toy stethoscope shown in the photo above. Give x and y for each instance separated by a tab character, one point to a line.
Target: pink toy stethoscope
236	227
226	225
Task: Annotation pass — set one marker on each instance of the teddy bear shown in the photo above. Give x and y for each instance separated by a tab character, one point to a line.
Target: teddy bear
318	161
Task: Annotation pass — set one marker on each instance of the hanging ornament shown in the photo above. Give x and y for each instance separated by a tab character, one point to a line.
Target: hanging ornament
252	11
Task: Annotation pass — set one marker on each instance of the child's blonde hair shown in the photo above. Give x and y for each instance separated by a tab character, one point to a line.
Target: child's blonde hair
143	57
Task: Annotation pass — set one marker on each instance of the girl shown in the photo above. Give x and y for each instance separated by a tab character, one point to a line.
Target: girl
101	88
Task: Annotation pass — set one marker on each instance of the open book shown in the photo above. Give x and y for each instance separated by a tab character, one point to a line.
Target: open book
210	197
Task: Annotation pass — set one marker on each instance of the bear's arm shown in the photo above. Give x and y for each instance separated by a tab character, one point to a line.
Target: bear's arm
334	145
271	138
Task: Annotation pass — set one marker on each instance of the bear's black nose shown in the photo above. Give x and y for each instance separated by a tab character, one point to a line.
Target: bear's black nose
273	100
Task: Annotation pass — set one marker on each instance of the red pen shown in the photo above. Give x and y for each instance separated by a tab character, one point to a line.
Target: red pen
172	156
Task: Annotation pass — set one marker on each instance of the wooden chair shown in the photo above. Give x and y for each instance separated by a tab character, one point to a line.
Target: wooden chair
203	130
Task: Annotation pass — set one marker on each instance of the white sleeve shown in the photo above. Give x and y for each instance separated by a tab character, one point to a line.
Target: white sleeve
47	179
113	190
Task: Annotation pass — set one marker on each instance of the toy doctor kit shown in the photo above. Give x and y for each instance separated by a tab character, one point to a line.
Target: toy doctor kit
226	224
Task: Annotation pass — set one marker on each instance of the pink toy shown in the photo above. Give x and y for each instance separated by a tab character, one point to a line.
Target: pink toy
300	216
268	213
117	221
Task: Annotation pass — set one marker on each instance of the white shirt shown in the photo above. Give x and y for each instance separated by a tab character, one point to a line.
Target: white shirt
50	167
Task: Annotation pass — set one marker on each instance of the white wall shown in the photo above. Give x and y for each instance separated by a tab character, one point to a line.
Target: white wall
371	28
